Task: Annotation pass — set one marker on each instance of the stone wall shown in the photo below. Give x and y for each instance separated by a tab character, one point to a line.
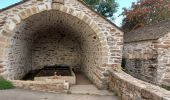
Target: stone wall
149	60
140	60
53	48
19	58
163	49
129	88
47	86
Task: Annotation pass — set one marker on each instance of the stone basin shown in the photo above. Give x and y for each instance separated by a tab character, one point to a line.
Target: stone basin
56	73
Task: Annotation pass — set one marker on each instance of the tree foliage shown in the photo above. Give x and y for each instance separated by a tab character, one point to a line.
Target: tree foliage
105	7
145	12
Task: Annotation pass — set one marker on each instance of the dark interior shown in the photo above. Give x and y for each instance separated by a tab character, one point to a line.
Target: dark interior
49	71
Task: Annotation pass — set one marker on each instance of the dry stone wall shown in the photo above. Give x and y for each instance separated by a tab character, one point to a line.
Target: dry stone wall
140	60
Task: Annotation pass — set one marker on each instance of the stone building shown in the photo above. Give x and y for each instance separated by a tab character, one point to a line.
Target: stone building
37	33
147	53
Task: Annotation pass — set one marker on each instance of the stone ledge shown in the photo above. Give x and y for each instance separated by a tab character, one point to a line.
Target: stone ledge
130	88
48	86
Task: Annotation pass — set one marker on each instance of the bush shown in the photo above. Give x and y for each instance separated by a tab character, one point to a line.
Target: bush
5	84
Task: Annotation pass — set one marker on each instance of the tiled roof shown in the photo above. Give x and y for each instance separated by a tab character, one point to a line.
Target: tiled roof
149	32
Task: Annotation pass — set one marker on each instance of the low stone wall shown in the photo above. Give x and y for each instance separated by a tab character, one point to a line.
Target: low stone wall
48	86
129	88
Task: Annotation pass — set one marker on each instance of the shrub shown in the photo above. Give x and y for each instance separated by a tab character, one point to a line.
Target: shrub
5	84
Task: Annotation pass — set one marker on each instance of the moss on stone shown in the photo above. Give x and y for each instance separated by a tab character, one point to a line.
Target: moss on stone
166	87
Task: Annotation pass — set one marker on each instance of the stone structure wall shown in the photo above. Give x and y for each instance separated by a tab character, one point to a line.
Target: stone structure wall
100	41
140	60
53	48
129	88
73	47
149	60
19	58
163	49
48	86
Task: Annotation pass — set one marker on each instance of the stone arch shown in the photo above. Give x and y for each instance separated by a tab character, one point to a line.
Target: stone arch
11	24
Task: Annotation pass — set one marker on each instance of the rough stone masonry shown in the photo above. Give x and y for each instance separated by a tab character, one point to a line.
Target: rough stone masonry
147	53
36	33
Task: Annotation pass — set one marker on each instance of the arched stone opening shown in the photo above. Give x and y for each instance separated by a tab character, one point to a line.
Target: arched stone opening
54	37
97	45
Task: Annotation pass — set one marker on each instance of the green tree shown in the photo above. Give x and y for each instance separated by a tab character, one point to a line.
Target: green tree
105	7
145	12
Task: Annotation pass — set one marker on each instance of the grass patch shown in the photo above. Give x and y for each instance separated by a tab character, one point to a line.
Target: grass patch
5	84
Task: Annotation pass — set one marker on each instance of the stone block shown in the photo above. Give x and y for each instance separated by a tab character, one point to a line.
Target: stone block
23	15
34	10
42	7
56	6
58	1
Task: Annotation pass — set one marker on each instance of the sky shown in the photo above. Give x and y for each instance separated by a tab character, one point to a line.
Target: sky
118	21
122	4
5	3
